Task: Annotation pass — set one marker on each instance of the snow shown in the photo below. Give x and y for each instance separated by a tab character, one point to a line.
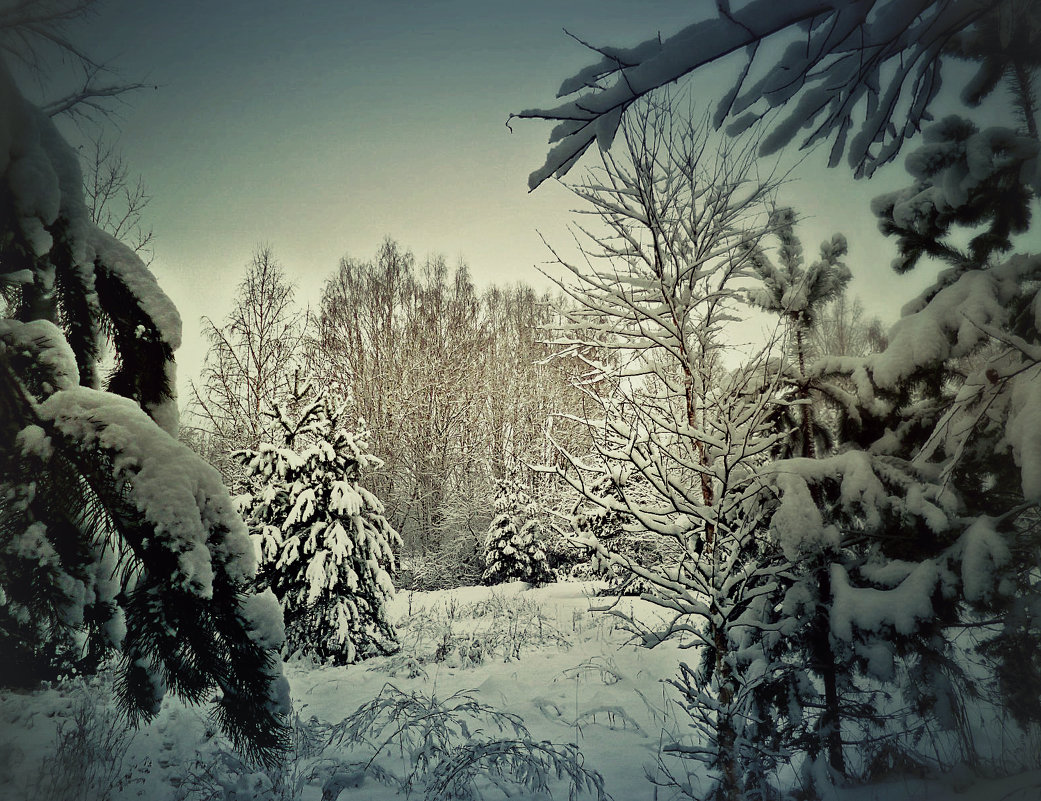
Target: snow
120	259
570	675
983	550
43	341
41	175
33	441
181	495
868	609
797	524
1023	432
264	613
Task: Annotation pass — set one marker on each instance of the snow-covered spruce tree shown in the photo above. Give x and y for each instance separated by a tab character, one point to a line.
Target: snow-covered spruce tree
796	292
513	550
927	517
599	516
113	536
601	520
327	551
657	289
958	387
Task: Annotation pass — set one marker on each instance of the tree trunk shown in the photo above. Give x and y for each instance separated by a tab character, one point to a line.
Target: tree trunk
831	719
824	656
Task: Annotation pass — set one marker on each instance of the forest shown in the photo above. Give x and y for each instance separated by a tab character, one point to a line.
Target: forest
417	536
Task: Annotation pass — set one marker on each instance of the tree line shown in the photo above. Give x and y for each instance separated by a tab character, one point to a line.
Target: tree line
457	387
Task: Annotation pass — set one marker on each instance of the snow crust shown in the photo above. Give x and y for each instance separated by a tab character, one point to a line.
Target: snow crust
954	322
983	550
44	343
797	524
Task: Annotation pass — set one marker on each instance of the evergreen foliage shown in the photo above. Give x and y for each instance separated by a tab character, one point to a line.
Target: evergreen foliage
114	537
513	550
797	292
327	551
601	516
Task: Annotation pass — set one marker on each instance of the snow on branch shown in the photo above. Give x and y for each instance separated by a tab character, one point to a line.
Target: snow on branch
851	66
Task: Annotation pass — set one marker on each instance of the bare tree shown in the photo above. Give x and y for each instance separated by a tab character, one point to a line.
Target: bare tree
667	259
33	33
251	355
116	201
449	381
843	329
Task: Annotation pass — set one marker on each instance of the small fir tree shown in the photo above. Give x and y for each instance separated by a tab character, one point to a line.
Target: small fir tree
601	516
326	549
513	551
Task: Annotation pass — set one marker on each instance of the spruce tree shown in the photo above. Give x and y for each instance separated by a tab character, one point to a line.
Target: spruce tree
327	551
926	518
513	550
114	537
601	516
796	292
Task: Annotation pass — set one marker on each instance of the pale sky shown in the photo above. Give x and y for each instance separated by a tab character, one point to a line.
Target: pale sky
319	128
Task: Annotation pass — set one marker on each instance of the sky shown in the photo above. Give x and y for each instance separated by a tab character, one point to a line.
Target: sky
320	128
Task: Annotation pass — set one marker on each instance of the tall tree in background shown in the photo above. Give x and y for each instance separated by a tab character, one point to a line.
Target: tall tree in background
796	292
842	329
108	527
250	358
450	383
665	272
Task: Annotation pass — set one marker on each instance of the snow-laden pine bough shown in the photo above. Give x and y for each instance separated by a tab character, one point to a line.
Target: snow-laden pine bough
114	537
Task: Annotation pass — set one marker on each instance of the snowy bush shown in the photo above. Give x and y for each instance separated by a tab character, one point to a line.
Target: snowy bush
422	746
222	775
457	748
326	549
513	550
89	761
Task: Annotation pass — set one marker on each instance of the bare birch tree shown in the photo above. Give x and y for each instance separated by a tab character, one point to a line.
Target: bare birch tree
251	355
675	218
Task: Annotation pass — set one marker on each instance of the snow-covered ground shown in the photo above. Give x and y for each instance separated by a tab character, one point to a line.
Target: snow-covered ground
470	656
